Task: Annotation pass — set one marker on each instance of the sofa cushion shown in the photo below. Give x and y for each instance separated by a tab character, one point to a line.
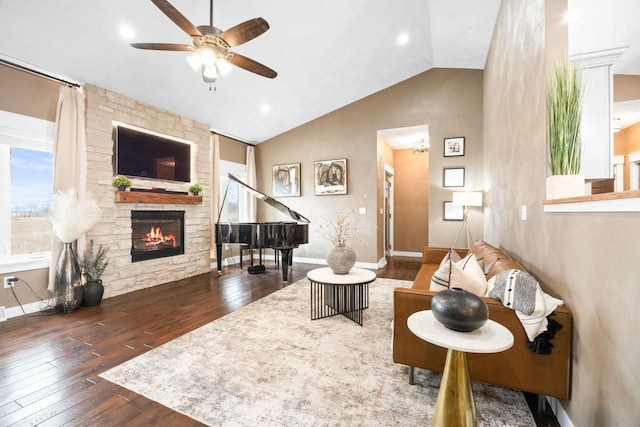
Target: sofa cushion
465	273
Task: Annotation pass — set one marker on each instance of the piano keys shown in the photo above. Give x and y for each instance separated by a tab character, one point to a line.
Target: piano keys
282	236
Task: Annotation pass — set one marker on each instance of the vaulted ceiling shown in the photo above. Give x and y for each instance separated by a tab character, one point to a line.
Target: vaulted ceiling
327	54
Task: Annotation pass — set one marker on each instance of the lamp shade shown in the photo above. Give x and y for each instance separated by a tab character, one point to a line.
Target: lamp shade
467	198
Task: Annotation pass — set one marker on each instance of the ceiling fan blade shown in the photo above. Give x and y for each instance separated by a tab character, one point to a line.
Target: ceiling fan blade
244	32
177	17
163	46
253	66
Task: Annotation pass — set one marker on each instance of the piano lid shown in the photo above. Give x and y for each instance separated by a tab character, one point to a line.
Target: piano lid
267	199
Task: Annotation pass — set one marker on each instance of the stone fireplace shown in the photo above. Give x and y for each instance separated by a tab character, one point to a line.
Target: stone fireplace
156	234
118	226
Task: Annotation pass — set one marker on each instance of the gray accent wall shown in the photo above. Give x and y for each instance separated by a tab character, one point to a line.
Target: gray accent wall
448	100
587	259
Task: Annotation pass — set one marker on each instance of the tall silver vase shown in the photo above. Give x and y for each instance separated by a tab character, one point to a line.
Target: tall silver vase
68	281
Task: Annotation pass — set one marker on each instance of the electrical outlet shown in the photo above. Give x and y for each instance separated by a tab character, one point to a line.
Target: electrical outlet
9	281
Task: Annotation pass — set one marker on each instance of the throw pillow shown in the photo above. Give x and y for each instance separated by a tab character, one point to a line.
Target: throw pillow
465	273
440	279
516	289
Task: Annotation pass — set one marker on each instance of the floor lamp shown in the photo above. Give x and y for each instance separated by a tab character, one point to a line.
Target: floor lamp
466	199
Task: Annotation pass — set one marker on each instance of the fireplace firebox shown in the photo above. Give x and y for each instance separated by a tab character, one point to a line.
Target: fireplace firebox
156	234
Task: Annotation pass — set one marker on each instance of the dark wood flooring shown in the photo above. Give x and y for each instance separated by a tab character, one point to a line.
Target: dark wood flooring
49	363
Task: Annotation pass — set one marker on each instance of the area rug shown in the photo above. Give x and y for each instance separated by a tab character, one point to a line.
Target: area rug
268	364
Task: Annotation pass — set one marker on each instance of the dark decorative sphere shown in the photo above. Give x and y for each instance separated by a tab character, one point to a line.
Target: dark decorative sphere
459	310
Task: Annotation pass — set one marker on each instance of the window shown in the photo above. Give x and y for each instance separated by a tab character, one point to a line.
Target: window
231	208
26	169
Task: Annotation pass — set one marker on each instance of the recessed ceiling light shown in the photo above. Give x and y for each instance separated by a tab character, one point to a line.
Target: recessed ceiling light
126	32
265	108
403	39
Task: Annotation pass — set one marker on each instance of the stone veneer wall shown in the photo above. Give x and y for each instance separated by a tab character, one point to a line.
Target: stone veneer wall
114	228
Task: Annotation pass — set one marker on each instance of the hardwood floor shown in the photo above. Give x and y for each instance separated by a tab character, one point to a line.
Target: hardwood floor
49	363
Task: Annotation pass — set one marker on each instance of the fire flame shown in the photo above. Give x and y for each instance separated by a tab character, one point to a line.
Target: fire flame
156	237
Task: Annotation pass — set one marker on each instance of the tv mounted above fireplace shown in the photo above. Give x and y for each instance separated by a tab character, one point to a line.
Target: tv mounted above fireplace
140	153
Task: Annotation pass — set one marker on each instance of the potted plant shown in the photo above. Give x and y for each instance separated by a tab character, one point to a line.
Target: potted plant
564	99
93	264
195	189
122	182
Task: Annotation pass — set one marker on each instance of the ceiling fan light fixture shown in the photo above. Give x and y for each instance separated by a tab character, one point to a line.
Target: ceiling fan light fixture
224	67
194	61
207	57
209	73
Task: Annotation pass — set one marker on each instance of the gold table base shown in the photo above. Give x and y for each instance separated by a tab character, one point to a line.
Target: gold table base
455	405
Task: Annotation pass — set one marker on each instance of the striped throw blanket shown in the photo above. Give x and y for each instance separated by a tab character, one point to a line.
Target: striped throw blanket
520	291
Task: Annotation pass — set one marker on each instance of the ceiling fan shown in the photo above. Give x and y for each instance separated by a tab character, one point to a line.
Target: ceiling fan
212	45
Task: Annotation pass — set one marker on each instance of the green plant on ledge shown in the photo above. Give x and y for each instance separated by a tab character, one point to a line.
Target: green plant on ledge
195	189
564	98
121	182
94	262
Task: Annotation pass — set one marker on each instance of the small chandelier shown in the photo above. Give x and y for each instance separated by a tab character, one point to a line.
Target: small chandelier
420	146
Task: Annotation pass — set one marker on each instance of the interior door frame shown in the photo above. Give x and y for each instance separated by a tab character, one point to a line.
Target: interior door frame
388	208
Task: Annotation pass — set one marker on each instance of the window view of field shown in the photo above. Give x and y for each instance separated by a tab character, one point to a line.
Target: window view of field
31	186
30	234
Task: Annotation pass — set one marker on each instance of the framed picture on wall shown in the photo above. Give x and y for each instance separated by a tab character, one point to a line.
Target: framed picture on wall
330	177
453	177
286	180
454	146
452	212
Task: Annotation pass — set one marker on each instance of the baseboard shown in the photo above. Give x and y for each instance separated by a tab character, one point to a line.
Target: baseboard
319	261
33	307
409	254
558	410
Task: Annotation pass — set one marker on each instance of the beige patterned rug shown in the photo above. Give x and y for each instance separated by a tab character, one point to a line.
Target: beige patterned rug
268	364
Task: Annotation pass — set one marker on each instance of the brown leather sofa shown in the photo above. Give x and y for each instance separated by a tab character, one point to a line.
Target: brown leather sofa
518	368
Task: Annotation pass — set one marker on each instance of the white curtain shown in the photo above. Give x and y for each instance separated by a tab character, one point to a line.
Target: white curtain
69	154
248	205
215	189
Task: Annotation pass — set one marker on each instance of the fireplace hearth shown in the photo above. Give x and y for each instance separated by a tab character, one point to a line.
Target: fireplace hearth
156	234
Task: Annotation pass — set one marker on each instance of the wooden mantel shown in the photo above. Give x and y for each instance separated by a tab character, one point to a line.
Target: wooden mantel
156	198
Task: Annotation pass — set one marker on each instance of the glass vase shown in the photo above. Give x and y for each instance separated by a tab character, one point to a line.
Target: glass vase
68	281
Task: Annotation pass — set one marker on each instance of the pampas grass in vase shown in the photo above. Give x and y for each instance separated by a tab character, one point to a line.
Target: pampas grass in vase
71	215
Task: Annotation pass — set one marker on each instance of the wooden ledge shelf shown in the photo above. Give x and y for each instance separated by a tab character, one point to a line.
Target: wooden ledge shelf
156	198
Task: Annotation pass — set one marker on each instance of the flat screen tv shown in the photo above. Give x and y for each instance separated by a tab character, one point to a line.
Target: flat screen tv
147	155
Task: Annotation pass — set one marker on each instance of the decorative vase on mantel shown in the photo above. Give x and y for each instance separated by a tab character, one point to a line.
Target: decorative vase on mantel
68	281
340	259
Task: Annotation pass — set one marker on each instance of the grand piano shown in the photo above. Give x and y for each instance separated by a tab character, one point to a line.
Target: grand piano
281	236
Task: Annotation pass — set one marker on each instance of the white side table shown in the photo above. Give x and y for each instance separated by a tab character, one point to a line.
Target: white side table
455	405
346	294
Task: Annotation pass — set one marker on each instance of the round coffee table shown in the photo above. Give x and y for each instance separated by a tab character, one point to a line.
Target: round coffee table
455	404
346	294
